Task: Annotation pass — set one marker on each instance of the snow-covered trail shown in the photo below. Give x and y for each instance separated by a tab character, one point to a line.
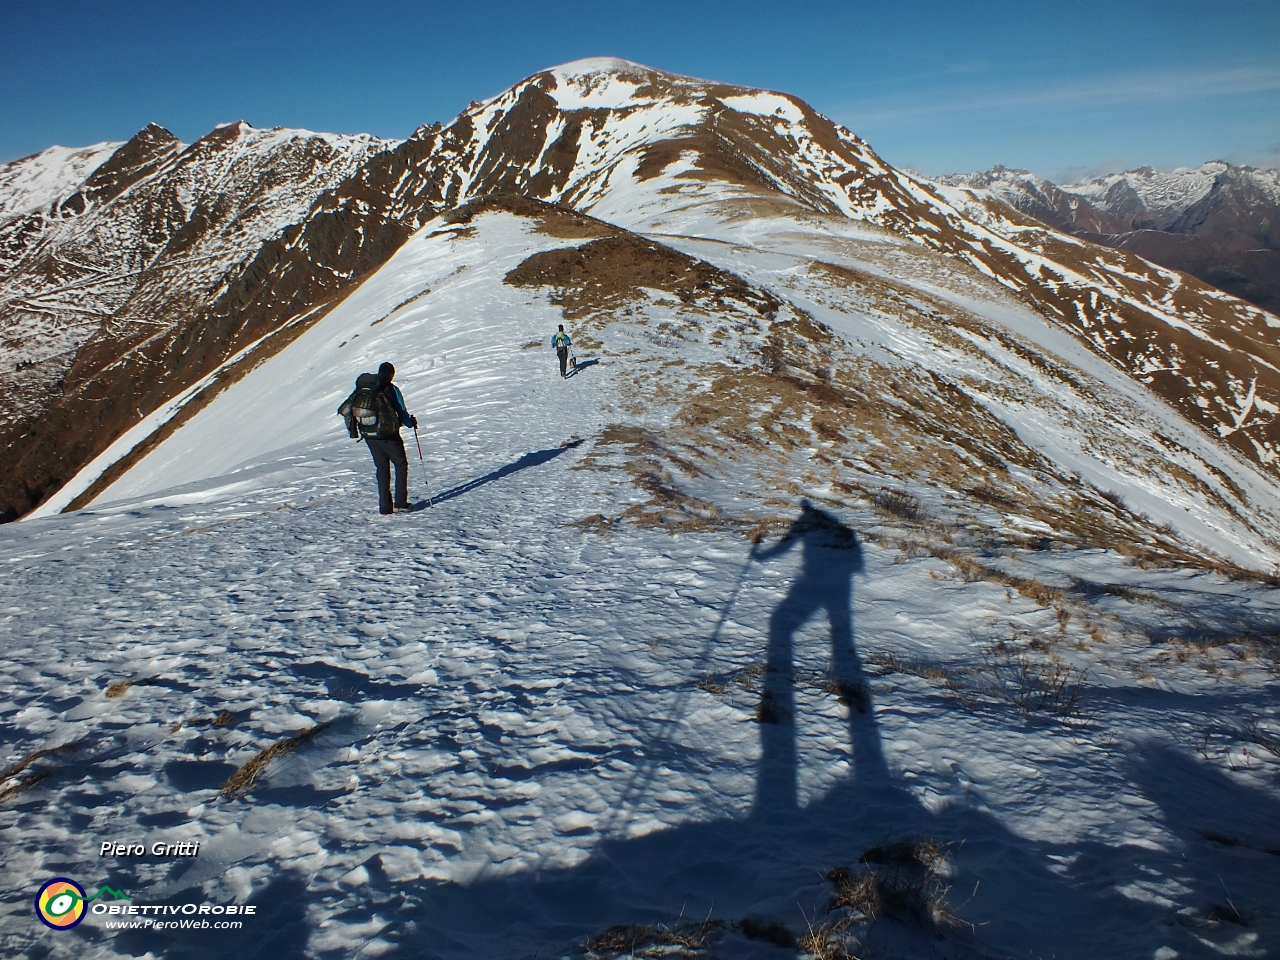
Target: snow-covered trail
539	728
520	753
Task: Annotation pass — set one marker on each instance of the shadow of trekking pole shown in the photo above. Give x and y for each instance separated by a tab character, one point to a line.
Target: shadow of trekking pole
645	777
425	482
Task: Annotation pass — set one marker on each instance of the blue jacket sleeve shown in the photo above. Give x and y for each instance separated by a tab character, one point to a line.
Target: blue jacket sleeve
397	400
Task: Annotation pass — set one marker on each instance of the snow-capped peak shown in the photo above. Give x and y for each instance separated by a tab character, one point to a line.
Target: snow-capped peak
34	182
590	66
597	83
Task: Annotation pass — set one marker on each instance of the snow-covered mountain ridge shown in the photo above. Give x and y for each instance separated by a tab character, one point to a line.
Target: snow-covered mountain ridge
110	283
1216	222
586	134
38	181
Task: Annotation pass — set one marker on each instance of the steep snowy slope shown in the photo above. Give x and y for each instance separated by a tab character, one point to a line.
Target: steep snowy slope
110	289
621	691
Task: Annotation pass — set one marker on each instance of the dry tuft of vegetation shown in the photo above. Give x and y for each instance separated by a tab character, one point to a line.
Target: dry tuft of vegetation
768	710
891	663
850	693
24	784
13	771
1009	675
770	931
710	684
242	780
1036	686
899	503
688	940
972	570
225	718
902	880
121	687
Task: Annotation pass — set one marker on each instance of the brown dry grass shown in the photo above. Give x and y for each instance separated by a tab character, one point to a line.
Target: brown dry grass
688	940
401	305
608	272
851	693
24	784
767	709
242	780
809	412
972	570
899	879
121	687
13	771
224	718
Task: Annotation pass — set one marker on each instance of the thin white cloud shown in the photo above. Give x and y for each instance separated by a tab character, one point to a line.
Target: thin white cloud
1164	85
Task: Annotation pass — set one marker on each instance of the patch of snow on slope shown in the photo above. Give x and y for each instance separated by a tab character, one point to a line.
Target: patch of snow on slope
764	104
35	182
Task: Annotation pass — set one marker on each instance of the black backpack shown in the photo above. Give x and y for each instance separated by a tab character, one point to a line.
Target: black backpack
369	412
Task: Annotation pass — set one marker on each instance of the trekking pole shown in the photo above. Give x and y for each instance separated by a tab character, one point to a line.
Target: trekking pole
425	482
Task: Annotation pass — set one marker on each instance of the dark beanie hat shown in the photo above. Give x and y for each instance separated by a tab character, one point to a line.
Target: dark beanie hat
386	372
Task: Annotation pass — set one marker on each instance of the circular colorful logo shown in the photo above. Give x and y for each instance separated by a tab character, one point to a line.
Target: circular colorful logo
60	903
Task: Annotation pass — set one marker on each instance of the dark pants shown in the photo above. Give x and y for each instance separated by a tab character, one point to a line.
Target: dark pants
385	453
563	354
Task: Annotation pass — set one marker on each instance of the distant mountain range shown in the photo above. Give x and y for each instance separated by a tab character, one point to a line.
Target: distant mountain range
133	294
1219	222
124	274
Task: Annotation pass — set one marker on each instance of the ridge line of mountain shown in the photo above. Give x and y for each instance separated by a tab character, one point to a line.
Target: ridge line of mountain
245	232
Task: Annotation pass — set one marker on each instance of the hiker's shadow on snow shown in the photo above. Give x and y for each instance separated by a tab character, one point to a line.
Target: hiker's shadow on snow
535	459
582	365
769	861
831	557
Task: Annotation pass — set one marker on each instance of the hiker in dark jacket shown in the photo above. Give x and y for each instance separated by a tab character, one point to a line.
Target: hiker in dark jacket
380	427
560	340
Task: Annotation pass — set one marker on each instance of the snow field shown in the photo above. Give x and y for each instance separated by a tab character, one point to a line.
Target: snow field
535	733
514	708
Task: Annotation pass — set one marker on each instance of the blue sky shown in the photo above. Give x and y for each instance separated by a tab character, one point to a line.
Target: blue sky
1058	88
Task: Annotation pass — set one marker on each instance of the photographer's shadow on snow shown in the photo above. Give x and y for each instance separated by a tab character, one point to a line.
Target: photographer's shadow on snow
769	862
831	557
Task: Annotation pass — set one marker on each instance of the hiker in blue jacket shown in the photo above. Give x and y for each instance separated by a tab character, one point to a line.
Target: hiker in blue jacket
560	340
